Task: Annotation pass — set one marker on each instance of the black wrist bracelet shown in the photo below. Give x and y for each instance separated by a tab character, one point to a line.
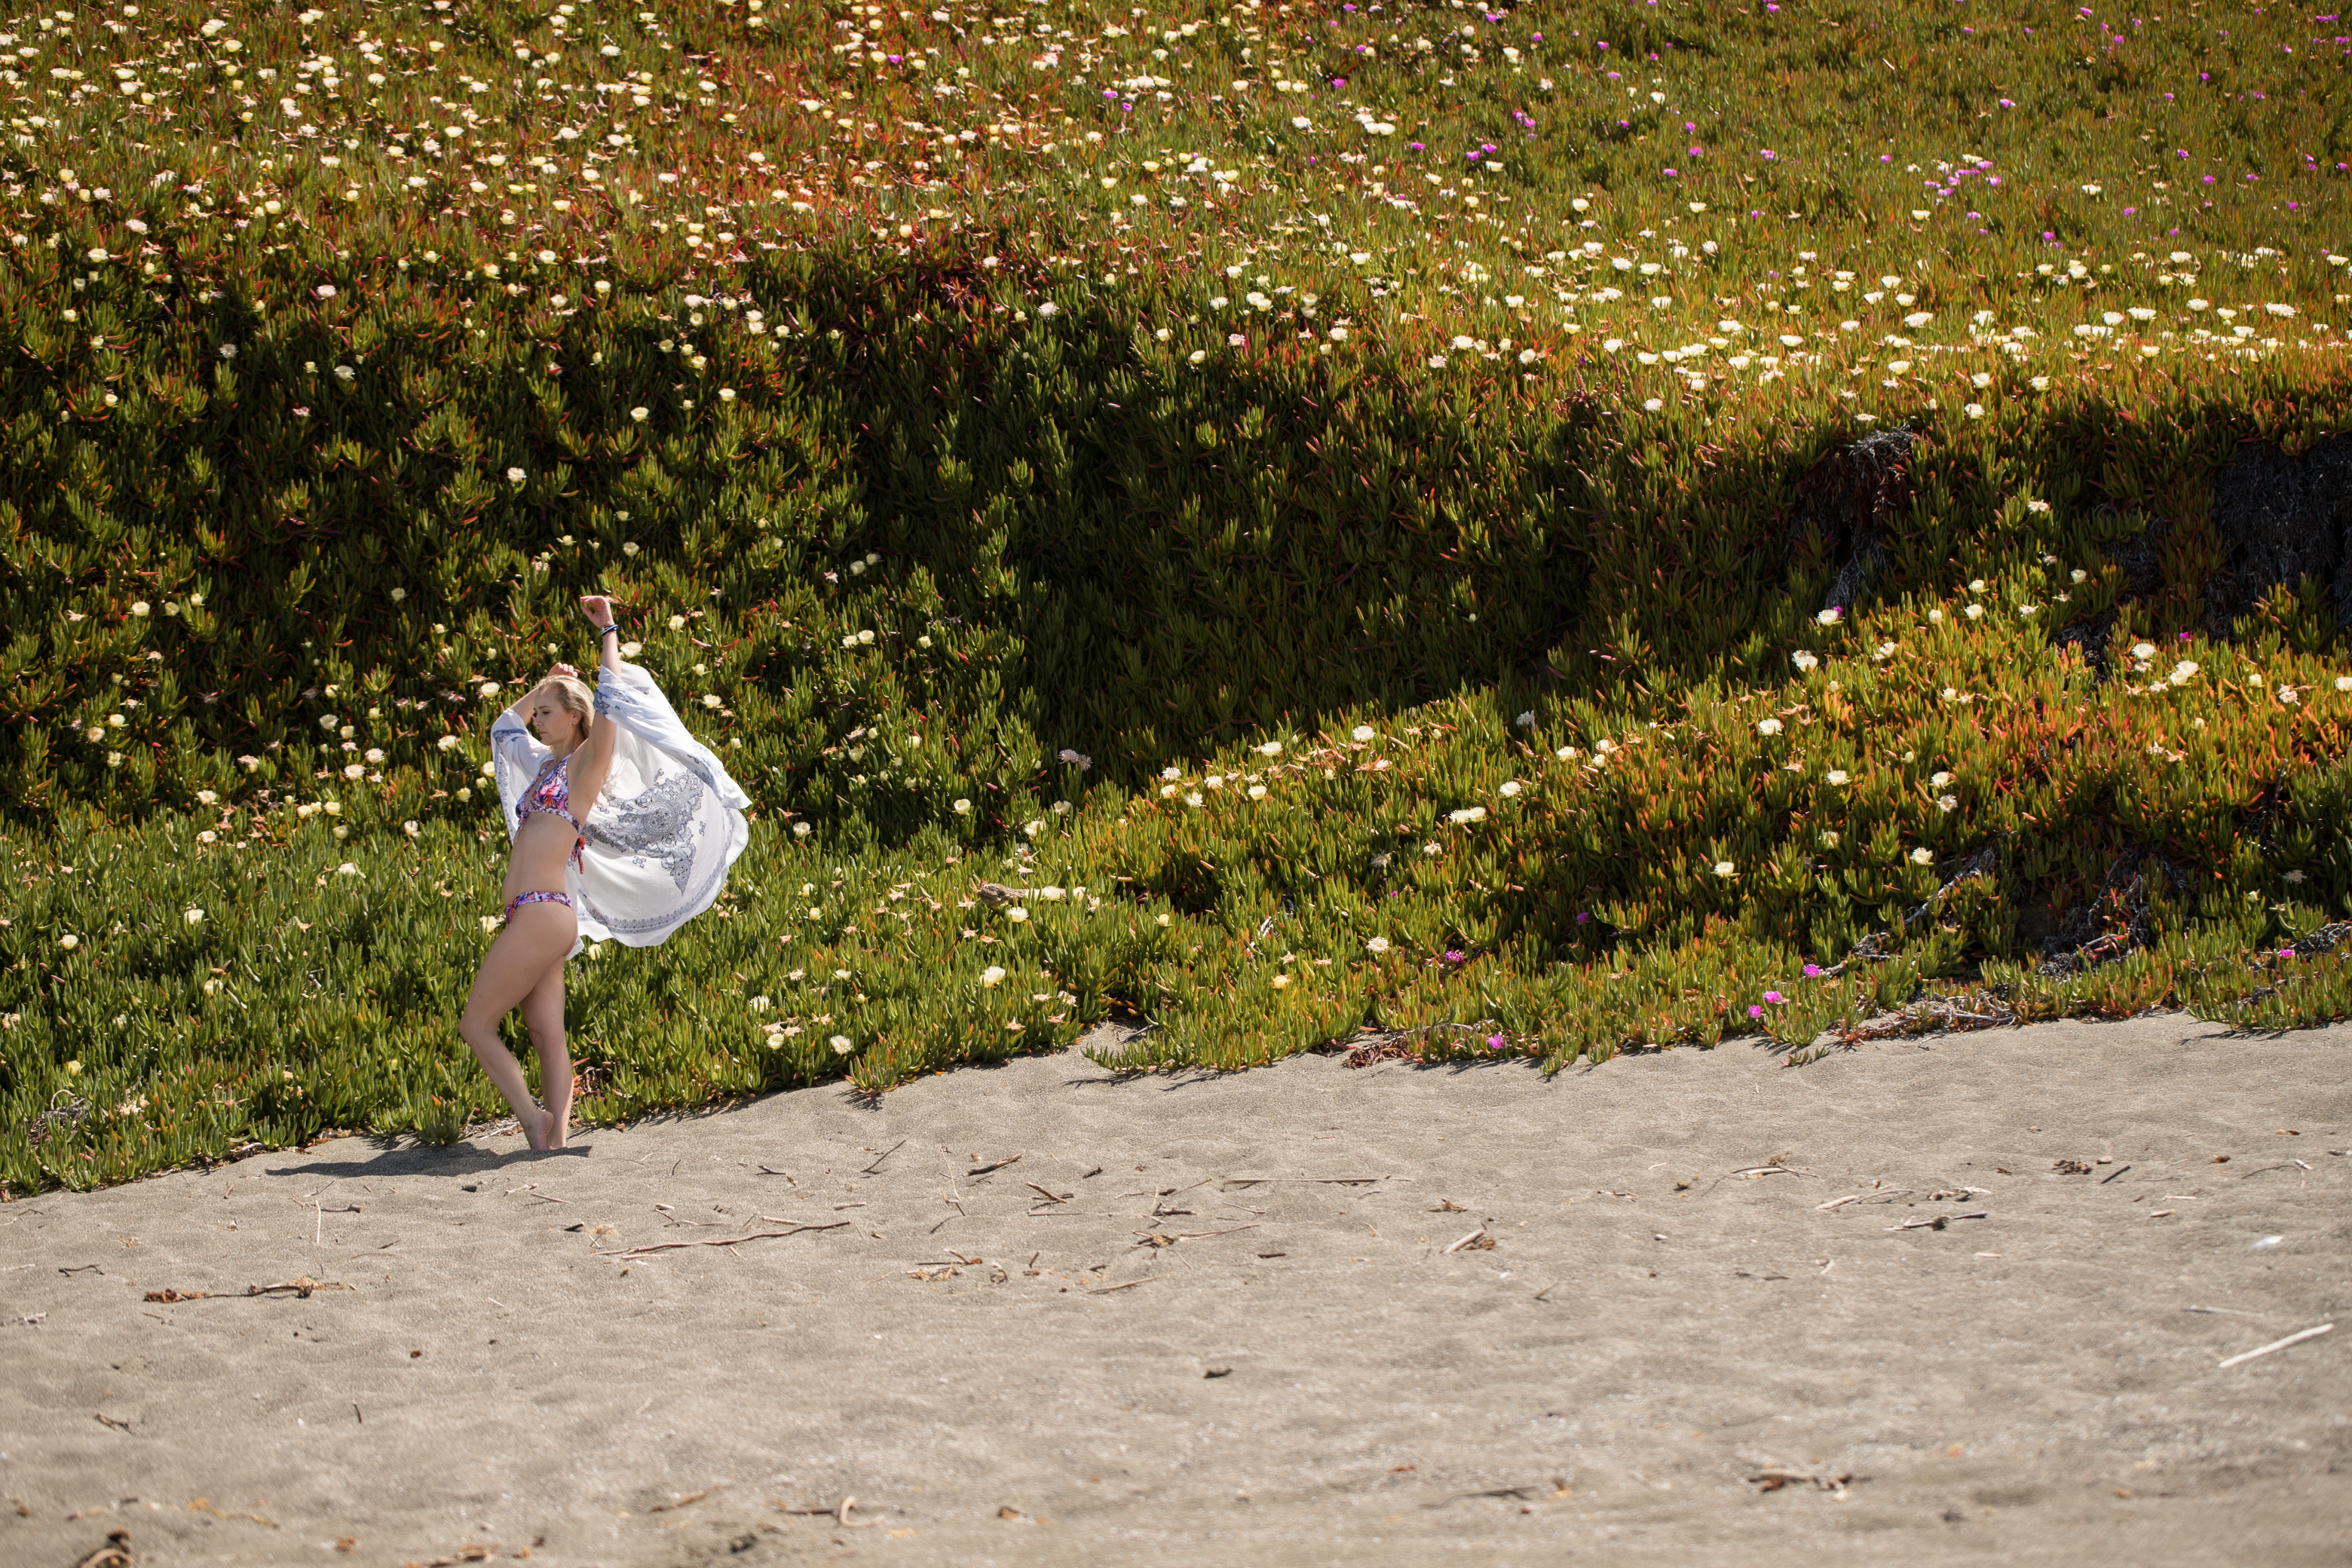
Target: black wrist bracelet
609	631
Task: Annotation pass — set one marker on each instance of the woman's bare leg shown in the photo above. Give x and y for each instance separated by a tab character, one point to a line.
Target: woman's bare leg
535	939
543	1011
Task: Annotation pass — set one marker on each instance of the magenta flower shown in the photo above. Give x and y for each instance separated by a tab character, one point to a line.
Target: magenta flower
1774	997
1812	971
2286	953
1753	1012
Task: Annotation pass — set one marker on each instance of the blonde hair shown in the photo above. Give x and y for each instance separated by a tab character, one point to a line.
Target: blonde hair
573	695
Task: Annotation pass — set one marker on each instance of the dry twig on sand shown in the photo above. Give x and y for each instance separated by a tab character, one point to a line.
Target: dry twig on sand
115	1553
730	1240
2294	1339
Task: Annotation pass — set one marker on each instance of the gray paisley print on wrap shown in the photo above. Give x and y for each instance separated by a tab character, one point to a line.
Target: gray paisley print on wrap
652	825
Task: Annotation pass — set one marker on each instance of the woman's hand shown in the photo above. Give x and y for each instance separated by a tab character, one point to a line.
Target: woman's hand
565	670
597	608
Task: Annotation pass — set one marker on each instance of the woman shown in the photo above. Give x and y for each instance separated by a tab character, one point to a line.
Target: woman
624	828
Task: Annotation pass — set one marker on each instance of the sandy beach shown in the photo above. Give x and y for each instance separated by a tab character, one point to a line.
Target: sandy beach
1962	1299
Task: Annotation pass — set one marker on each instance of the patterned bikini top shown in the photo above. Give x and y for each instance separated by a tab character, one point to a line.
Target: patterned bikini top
551	792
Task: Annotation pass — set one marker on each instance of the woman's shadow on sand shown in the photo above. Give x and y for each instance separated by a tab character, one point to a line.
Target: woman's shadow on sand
403	1157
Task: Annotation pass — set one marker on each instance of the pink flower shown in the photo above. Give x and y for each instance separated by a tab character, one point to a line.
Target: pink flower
1774	997
1755	1012
1812	971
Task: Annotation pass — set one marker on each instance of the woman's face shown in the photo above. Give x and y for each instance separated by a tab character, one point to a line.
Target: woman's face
554	721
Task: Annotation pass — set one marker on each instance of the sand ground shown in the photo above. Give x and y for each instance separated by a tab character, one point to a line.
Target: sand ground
1214	1320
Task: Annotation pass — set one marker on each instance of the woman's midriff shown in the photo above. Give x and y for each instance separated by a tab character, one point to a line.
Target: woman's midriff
540	850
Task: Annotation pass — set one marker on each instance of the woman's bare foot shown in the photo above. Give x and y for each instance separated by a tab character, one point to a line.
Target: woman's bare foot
557	1131
534	1127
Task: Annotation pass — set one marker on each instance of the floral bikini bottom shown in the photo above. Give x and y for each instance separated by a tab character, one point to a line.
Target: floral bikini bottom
521	898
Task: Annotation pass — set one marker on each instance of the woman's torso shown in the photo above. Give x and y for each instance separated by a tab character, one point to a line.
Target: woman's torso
549	835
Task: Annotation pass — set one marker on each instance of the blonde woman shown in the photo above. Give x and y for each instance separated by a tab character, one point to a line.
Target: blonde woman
624	826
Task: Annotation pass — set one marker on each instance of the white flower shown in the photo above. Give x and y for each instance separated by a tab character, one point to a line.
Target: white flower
2143	650
140	608
2344	683
2288	694
1769	727
193	916
2037	506
1280	981
1839	775
69	942
1973	410
1509	788
1936	617
1566	754
1437	361
1830	839
1193	798
1257	791
2183	672
1360	732
1831	616
207	797
1803	660
347	869
1052	895
516	476
1918	319
1271	749
639	414
1726	868
412	828
840	1044
1160	919
1947	803
2040	383
1467	813
990	975
1923	858
801	830
490	922
758	1004
447	743
1017	914
1973	612
710	699
489	688
1377	944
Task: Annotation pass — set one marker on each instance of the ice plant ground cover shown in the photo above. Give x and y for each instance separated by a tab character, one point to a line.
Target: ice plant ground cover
1353	510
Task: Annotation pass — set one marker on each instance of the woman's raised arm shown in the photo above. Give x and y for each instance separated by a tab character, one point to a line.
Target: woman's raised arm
599	611
595	759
